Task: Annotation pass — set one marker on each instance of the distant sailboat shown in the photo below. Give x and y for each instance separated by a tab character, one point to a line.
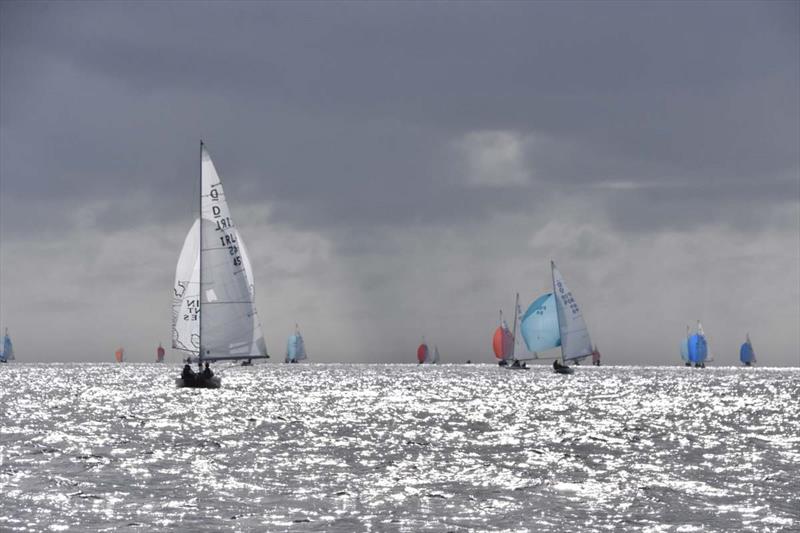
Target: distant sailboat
697	347
435	358
685	348
160	354
746	354
219	322
554	320
119	355
503	342
8	349
295	347
423	353
595	356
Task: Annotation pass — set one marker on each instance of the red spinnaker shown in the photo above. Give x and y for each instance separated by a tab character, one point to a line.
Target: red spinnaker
422	352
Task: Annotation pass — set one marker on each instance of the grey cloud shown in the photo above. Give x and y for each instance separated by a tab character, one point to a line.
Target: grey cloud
341	120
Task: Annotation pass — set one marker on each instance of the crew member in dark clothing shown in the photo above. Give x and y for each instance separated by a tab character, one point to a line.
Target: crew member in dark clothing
207	373
187	374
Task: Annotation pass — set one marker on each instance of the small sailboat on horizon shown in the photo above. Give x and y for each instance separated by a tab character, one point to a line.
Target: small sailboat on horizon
504	342
425	356
160	353
746	354
694	348
214	315
119	355
8	349
295	347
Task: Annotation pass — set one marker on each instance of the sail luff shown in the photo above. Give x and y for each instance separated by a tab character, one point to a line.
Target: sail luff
200	262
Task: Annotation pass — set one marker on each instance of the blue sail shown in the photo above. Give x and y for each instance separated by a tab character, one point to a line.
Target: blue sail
8	349
539	325
746	354
291	348
698	349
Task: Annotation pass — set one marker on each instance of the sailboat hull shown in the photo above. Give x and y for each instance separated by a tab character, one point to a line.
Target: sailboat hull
200	383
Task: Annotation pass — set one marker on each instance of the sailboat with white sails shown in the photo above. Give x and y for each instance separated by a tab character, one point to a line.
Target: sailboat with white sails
214	315
554	320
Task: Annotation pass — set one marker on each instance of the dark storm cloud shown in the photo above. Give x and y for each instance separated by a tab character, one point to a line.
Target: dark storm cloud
430	155
347	109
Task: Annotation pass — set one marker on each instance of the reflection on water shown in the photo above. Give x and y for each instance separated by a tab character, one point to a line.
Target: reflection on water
399	448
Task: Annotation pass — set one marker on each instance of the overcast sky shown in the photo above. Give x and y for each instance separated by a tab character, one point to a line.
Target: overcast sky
402	169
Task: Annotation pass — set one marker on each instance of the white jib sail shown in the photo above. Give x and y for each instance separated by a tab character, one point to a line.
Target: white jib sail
575	341
229	324
186	294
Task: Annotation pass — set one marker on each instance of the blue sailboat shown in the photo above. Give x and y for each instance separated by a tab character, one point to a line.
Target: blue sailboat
554	320
697	348
8	349
746	354
295	347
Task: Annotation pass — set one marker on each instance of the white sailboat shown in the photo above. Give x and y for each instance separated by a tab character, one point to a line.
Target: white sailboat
214	315
435	358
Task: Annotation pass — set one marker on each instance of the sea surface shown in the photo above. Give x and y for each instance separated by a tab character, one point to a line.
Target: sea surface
326	447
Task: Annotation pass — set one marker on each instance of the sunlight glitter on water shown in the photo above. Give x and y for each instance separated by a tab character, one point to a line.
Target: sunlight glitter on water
399	448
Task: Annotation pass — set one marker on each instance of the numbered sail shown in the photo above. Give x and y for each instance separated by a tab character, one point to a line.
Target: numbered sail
186	294
575	340
229	324
539	325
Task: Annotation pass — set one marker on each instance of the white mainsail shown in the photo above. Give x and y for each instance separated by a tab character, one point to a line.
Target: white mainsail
186	295
575	341
229	325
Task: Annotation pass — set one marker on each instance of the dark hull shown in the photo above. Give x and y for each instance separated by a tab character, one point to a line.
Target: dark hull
200	383
563	370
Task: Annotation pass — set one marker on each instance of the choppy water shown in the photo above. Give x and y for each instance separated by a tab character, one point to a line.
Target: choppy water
91	447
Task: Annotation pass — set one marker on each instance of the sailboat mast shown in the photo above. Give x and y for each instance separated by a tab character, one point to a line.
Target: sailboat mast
555	293
200	262
514	328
